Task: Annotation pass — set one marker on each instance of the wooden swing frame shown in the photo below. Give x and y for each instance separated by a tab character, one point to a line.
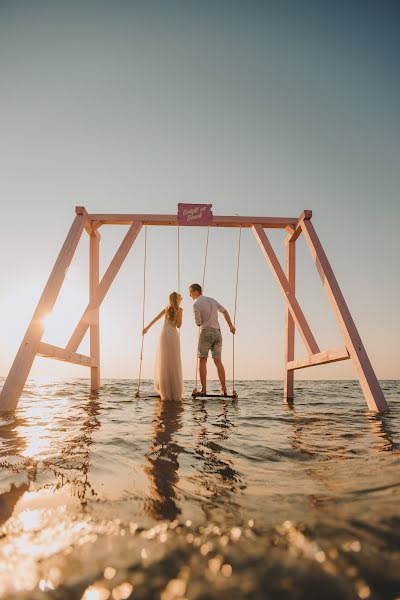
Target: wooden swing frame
33	346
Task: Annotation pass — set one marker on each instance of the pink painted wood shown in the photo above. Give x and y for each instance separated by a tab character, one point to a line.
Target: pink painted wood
31	344
288	382
366	375
14	384
288	295
94	326
89	315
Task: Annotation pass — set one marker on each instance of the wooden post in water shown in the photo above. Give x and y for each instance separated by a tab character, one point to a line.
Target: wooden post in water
94	321
288	383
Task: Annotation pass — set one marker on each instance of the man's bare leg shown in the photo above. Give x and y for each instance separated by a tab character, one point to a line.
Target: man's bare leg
203	375
221	374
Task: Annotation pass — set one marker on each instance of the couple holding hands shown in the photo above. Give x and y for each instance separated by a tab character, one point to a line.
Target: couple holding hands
168	380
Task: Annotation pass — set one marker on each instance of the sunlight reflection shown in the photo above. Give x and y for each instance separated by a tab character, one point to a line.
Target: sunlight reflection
30	519
38	432
35	439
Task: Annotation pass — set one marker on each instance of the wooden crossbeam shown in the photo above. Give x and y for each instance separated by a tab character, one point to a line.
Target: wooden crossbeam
366	375
171	220
50	351
89	315
286	289
23	361
322	358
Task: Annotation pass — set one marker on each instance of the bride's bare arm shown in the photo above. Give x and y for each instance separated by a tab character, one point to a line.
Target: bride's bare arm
157	318
179	318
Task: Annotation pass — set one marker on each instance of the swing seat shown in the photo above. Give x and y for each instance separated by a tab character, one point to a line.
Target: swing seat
196	394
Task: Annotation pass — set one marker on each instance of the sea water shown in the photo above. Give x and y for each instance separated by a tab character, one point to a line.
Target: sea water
109	496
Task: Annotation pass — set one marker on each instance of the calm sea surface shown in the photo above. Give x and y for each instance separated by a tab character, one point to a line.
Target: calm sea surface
107	496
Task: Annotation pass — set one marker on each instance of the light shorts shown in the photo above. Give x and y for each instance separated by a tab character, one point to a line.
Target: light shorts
210	339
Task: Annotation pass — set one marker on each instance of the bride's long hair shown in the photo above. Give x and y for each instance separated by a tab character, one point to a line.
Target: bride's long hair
173	307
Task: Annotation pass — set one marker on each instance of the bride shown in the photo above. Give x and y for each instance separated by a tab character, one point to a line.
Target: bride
168	381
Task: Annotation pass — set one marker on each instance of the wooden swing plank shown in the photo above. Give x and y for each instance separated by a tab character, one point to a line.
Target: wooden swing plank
214	396
366	375
90	311
23	361
142	396
49	351
290	298
171	220
322	358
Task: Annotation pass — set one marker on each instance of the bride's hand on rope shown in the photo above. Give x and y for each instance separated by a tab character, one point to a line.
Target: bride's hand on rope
233	329
145	330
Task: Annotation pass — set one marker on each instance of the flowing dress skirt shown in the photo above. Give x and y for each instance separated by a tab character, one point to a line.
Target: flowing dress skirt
168	381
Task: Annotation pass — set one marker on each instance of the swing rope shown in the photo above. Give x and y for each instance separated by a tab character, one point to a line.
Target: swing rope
143	310
179	268
179	263
202	287
234	312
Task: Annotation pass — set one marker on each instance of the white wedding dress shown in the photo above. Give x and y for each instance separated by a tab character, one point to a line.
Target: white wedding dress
168	381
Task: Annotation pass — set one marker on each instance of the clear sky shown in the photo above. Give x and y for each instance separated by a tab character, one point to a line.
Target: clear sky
260	108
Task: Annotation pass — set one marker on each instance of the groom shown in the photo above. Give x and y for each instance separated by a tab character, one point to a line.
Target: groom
206	317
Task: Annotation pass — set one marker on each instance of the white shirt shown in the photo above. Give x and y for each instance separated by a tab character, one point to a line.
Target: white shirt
206	312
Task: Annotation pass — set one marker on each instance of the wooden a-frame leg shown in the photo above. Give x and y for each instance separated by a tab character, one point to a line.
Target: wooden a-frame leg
288	392
23	361
94	325
366	375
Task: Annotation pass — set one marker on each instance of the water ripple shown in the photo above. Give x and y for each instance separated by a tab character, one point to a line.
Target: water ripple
103	495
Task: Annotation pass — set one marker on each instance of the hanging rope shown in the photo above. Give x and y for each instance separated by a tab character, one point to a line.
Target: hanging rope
179	269
143	309
202	287
234	312
179	263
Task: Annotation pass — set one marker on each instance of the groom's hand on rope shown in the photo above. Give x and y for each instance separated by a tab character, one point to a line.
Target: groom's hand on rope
145	330
233	329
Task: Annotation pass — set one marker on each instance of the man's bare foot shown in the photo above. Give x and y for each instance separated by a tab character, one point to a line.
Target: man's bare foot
203	392
224	392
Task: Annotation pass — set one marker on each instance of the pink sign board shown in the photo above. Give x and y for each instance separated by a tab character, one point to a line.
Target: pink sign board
194	214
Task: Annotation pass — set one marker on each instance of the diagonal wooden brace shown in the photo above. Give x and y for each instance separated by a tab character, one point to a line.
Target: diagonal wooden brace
286	289
23	361
366	375
104	286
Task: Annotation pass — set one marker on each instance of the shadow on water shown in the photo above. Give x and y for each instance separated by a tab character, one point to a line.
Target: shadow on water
217	479
163	466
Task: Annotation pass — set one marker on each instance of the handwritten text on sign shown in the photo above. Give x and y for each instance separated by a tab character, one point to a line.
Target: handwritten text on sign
194	214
